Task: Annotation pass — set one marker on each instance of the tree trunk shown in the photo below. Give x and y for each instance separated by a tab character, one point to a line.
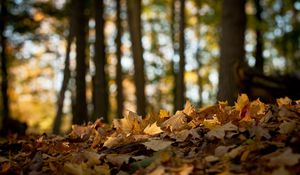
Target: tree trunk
67	74
4	72
259	63
101	102
232	48
180	82
198	57
134	19
81	33
119	78
175	51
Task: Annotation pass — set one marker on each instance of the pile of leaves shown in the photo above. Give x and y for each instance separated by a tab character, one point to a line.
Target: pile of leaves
248	138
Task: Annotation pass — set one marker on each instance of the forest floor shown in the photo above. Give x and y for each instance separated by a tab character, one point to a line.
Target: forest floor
248	138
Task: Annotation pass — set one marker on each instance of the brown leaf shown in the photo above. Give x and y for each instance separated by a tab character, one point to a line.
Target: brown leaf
176	122
157	145
118	159
219	131
287	157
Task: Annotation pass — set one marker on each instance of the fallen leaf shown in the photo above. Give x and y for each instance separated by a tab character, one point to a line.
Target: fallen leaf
181	136
118	159
186	169
287	127
257	109
160	170
74	169
281	171
219	132
286	101
130	124
211	123
211	158
189	109
222	150
113	141
287	157
157	145
152	129
242	101
164	114
176	122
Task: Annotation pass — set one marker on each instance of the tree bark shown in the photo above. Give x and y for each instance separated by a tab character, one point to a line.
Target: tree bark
119	76
259	63
134	19
198	56
175	51
81	33
101	102
180	83
232	48
67	74
4	60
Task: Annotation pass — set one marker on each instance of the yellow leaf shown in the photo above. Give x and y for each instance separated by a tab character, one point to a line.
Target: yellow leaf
152	129
211	123
130	124
157	145
242	101
189	109
164	114
257	108
286	101
112	141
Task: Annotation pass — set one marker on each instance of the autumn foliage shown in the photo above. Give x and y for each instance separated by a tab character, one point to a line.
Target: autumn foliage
248	138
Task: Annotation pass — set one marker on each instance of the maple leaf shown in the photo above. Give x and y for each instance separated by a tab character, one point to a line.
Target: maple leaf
164	114
242	101
113	141
130	124
284	101
211	123
189	109
80	132
176	122
257	108
157	145
219	131
152	129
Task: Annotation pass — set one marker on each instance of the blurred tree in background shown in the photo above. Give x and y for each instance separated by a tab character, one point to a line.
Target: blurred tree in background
72	61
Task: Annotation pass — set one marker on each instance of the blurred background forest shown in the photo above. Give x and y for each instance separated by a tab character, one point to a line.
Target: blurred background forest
73	61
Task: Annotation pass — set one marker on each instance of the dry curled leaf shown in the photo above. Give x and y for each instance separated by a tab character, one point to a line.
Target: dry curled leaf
152	129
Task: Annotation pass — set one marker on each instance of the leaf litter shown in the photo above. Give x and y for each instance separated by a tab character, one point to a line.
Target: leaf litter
248	138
